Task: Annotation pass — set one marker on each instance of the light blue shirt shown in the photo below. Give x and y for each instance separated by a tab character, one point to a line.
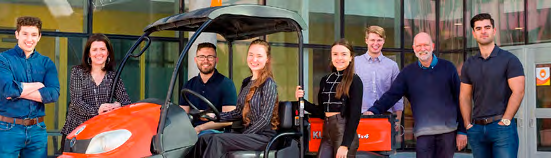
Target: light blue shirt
377	75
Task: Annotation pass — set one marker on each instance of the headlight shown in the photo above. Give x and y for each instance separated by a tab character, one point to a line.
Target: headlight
108	141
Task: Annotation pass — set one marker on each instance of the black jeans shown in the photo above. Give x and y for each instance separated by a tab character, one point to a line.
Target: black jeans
436	146
217	145
333	131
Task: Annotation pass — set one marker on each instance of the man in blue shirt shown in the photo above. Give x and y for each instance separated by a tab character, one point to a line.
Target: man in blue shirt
432	87
217	88
28	80
377	72
494	80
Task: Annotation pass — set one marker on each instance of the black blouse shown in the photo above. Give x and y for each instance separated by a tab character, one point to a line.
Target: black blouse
86	96
350	107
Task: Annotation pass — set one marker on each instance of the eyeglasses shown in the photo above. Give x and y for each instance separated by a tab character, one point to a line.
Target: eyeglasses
203	57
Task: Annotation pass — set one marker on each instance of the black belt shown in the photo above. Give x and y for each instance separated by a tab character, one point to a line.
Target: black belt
487	120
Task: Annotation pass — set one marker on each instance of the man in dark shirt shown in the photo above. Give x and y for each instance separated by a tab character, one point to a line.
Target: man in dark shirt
432	87
217	88
494	79
28	80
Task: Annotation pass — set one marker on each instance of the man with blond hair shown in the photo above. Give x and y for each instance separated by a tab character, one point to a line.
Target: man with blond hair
376	71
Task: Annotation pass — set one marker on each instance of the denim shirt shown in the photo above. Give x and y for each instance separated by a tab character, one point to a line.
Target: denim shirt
16	69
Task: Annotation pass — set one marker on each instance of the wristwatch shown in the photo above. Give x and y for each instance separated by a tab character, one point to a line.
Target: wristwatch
506	122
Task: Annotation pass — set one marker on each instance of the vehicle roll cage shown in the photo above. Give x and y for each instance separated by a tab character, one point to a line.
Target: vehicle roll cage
234	22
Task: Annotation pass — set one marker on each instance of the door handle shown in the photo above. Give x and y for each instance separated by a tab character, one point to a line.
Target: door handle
531	123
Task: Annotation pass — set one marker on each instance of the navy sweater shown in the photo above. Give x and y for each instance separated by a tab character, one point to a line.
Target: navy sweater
433	94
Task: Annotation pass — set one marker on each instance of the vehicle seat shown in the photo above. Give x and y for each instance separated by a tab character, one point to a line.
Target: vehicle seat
285	143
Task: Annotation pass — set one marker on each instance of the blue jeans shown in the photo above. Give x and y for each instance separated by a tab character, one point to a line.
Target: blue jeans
210	131
494	140
24	141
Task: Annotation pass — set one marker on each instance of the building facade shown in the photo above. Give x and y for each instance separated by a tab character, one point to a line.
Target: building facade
523	27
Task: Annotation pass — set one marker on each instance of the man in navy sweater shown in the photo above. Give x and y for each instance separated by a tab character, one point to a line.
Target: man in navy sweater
432	87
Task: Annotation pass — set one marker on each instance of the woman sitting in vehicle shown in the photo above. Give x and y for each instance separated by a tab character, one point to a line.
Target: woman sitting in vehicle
340	99
257	105
91	83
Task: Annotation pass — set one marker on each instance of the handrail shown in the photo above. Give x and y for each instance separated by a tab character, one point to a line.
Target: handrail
272	141
128	55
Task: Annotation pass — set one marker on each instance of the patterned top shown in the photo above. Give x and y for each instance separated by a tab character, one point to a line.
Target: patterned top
262	105
86	96
348	106
328	92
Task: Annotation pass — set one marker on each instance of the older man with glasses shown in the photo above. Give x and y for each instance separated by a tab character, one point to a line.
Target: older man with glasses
217	88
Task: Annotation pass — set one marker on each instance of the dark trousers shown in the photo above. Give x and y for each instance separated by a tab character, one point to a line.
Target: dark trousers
494	140
436	146
217	145
333	131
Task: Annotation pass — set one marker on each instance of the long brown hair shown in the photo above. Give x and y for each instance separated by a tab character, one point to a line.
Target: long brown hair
348	75
265	73
110	63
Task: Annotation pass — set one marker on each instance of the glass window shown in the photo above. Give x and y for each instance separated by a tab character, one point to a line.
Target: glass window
508	18
544	134
544	91
240	68
285	69
223	55
317	69
131	17
319	15
394	56
360	14
56	16
539	21
455	57
451	25
419	16
160	60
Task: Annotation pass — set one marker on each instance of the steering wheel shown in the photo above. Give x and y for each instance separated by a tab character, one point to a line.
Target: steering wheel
211	108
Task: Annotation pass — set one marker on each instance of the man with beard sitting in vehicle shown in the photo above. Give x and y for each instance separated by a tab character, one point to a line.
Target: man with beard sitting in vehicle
217	88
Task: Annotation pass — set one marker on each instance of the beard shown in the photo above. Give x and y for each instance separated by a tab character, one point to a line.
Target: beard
206	70
425	57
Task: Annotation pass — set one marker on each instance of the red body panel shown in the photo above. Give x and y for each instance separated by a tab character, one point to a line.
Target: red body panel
141	119
375	134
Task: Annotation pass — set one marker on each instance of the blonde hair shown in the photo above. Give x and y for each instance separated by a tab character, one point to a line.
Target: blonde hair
376	30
